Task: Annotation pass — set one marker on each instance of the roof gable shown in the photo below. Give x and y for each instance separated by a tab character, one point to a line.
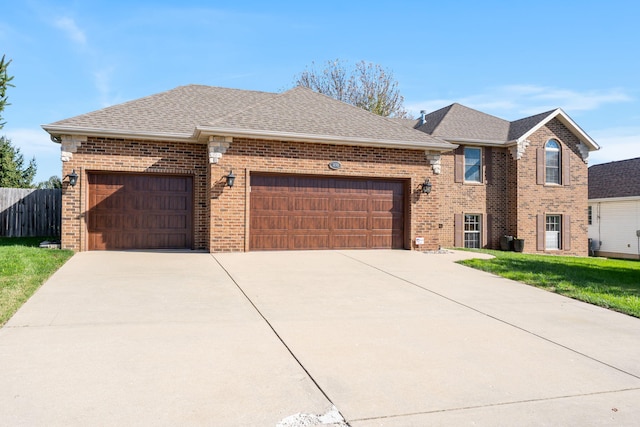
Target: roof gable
615	179
565	120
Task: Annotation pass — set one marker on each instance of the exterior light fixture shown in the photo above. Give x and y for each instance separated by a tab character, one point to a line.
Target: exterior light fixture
73	178
231	178
426	186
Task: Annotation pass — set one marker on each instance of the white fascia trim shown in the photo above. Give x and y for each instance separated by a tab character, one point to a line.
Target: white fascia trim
615	199
482	142
324	139
115	133
567	121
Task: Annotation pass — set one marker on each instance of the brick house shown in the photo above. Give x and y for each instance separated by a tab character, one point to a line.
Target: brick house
315	173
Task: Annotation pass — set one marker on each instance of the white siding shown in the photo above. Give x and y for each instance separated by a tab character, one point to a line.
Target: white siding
614	224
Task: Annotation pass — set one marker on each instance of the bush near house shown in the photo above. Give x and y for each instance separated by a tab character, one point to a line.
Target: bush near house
609	283
23	268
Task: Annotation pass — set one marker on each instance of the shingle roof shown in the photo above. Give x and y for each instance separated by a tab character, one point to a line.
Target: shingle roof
615	179
459	122
518	128
175	111
303	111
182	111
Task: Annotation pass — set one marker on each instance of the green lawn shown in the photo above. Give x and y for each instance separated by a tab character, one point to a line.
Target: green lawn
609	283
23	268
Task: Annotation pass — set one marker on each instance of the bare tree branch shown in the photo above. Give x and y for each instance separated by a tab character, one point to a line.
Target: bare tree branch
368	86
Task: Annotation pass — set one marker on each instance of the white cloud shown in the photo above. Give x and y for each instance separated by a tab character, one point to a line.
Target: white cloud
69	26
618	143
516	101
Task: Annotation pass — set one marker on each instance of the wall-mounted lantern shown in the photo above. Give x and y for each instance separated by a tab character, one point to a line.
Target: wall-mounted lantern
231	178
73	178
426	186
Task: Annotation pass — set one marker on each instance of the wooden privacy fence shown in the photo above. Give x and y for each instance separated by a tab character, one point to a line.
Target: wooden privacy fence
30	212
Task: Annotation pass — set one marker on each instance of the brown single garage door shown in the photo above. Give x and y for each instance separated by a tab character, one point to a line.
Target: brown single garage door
298	212
140	211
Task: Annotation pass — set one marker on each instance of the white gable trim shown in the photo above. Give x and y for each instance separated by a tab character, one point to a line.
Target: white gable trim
569	123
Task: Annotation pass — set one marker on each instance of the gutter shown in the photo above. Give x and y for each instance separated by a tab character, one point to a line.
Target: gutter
201	134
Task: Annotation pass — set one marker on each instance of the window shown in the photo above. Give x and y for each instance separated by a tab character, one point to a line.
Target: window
552	162
472	231
552	232
472	164
589	217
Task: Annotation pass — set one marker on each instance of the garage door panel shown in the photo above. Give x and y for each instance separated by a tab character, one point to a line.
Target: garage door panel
309	241
309	222
353	204
325	213
270	202
353	222
270	222
346	185
350	241
386	205
273	241
311	204
307	185
135	211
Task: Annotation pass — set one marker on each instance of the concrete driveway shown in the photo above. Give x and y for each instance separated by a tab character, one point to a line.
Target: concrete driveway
391	338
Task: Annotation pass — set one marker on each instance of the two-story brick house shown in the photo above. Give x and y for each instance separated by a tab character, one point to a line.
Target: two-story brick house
526	178
201	167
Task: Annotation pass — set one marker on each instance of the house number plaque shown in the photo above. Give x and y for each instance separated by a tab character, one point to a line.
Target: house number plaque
335	165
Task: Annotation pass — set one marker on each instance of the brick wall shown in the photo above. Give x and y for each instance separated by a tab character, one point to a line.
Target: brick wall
124	155
511	197
534	199
229	207
488	198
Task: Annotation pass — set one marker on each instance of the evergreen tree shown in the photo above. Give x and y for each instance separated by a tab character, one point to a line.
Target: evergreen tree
13	172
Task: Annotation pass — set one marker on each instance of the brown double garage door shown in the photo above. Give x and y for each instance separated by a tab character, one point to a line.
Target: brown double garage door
298	212
147	211
128	211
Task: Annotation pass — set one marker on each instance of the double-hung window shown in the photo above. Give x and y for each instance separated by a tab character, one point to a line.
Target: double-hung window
472	231
552	232
472	164
552	162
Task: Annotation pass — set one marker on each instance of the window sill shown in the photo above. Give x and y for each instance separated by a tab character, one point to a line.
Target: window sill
473	183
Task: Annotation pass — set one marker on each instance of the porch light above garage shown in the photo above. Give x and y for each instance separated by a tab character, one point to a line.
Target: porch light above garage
73	178
426	186
231	178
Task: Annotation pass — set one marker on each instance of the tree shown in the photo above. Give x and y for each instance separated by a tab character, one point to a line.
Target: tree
368	86
52	183
13	173
4	84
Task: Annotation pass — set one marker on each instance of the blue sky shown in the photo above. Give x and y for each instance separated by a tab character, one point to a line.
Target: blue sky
510	59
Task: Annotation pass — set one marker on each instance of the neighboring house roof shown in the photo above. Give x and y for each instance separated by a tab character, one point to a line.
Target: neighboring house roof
457	123
615	179
194	112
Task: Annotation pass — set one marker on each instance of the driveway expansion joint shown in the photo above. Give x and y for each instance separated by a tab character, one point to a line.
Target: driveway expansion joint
494	405
280	338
